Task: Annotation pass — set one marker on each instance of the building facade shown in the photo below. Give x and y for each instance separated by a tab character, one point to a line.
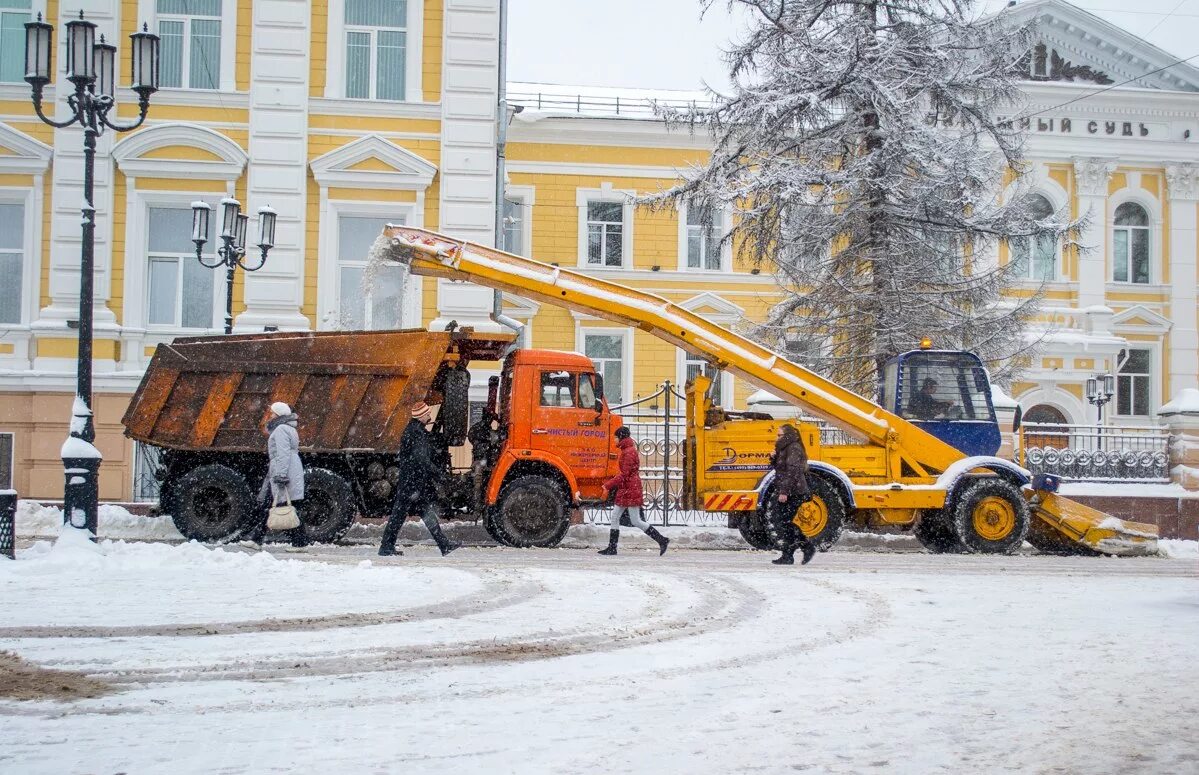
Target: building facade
344	115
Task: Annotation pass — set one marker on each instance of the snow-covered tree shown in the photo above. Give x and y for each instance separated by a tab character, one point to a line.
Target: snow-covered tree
864	159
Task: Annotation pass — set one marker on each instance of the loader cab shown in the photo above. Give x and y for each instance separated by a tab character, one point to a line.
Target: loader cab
946	393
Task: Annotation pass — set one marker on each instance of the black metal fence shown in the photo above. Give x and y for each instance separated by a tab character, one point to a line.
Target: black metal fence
1120	453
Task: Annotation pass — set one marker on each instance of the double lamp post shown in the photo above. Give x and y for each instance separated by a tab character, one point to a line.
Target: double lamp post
91	69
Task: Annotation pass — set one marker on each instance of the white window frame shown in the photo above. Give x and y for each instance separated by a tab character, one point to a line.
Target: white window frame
335	53
1155	369
1153	210
227	80
181	201
719	229
527	196
606	193
35	7
626	353
328	303
1028	275
31	246
680	371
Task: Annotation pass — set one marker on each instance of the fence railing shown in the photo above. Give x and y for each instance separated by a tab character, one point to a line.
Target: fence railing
1096	453
598	105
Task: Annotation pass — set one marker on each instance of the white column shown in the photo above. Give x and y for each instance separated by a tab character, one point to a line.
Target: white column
278	172
1183	369
468	140
1091	176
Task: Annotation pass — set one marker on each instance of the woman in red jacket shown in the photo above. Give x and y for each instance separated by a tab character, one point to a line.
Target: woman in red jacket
629	495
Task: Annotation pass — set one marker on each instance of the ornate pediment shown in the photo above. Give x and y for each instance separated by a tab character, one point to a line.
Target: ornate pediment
1140	319
21	154
373	162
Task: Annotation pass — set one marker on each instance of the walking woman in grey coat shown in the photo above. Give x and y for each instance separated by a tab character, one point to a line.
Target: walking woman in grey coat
284	477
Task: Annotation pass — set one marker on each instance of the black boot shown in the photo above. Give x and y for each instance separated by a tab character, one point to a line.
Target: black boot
662	540
389	551
391	531
809	549
613	537
788	557
444	544
790	542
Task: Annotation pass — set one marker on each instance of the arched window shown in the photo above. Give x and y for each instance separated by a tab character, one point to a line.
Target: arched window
1130	244
1036	257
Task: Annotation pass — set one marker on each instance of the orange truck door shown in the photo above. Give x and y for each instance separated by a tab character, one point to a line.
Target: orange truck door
564	424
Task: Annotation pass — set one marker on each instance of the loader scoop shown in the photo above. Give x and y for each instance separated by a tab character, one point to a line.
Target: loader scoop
1064	526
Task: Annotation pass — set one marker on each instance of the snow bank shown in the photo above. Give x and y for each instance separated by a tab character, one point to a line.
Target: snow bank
1178	549
37	521
1127	489
1186	402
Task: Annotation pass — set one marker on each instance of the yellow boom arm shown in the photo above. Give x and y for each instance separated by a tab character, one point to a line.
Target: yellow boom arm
431	254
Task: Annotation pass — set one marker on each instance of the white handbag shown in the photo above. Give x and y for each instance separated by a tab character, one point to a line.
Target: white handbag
282	517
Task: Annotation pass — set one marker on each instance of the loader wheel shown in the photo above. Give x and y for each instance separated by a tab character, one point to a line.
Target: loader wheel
1046	540
532	511
210	503
822	519
990	516
754	531
328	509
935	532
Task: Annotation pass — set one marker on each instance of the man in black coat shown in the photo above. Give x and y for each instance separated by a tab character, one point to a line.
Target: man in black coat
791	491
416	488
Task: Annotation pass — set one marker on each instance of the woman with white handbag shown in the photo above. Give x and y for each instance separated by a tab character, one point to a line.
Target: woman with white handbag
283	485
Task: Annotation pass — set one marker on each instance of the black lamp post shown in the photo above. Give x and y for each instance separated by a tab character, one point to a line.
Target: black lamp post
1100	390
232	252
90	66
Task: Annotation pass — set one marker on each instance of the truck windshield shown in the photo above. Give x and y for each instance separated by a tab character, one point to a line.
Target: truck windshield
944	386
557	388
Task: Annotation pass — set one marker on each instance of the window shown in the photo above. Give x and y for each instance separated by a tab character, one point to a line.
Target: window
606	351
605	234
180	288
12	260
13	15
147	459
190	47
557	389
703	241
1133	383
514	224
587	391
1036	257
693	365
6	461
371	298
376	47
1130	244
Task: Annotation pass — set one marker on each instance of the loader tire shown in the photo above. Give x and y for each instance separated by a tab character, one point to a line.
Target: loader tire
532	511
935	532
753	530
329	508
1046	540
822	518
210	503
990	516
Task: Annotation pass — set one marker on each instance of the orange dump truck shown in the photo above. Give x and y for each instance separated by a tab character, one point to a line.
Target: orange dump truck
204	400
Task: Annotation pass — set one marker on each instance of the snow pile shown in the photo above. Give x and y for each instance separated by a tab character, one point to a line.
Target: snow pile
1178	549
37	521
1186	402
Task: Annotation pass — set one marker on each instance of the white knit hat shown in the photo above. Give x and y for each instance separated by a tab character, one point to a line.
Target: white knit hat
280	409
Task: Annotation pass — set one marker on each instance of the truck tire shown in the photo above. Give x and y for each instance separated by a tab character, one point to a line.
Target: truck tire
1046	540
990	516
531	511
754	531
211	502
935	532
329	508
823	517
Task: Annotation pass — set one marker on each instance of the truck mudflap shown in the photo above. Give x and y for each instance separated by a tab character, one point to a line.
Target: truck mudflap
1089	529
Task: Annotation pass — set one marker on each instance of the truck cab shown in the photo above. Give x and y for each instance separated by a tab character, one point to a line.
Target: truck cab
946	393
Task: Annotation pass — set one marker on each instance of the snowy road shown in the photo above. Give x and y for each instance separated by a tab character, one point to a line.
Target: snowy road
497	661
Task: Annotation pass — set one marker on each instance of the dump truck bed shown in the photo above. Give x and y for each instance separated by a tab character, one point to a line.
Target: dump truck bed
353	390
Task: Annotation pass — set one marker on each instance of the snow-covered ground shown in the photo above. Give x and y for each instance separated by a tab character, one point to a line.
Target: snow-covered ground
528	661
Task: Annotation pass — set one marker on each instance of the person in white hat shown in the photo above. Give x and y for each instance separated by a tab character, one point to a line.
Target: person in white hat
285	474
416	490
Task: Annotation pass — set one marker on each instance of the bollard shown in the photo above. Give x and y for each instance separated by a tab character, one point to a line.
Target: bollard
8	524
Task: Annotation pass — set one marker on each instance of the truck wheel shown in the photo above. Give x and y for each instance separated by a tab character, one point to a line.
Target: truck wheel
935	533
491	525
210	503
532	511
328	508
753	530
822	519
990	516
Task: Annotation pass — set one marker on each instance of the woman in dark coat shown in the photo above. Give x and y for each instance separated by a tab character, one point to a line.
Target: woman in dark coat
416	490
790	492
626	487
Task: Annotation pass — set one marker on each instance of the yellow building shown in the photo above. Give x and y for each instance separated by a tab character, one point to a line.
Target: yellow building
343	115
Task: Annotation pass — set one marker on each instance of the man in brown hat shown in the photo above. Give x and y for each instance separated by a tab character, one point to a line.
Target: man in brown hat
416	489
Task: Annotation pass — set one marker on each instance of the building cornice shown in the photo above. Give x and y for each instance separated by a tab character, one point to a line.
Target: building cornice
329	106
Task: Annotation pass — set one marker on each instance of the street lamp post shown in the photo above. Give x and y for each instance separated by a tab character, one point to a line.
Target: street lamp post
90	67
1100	390
232	252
